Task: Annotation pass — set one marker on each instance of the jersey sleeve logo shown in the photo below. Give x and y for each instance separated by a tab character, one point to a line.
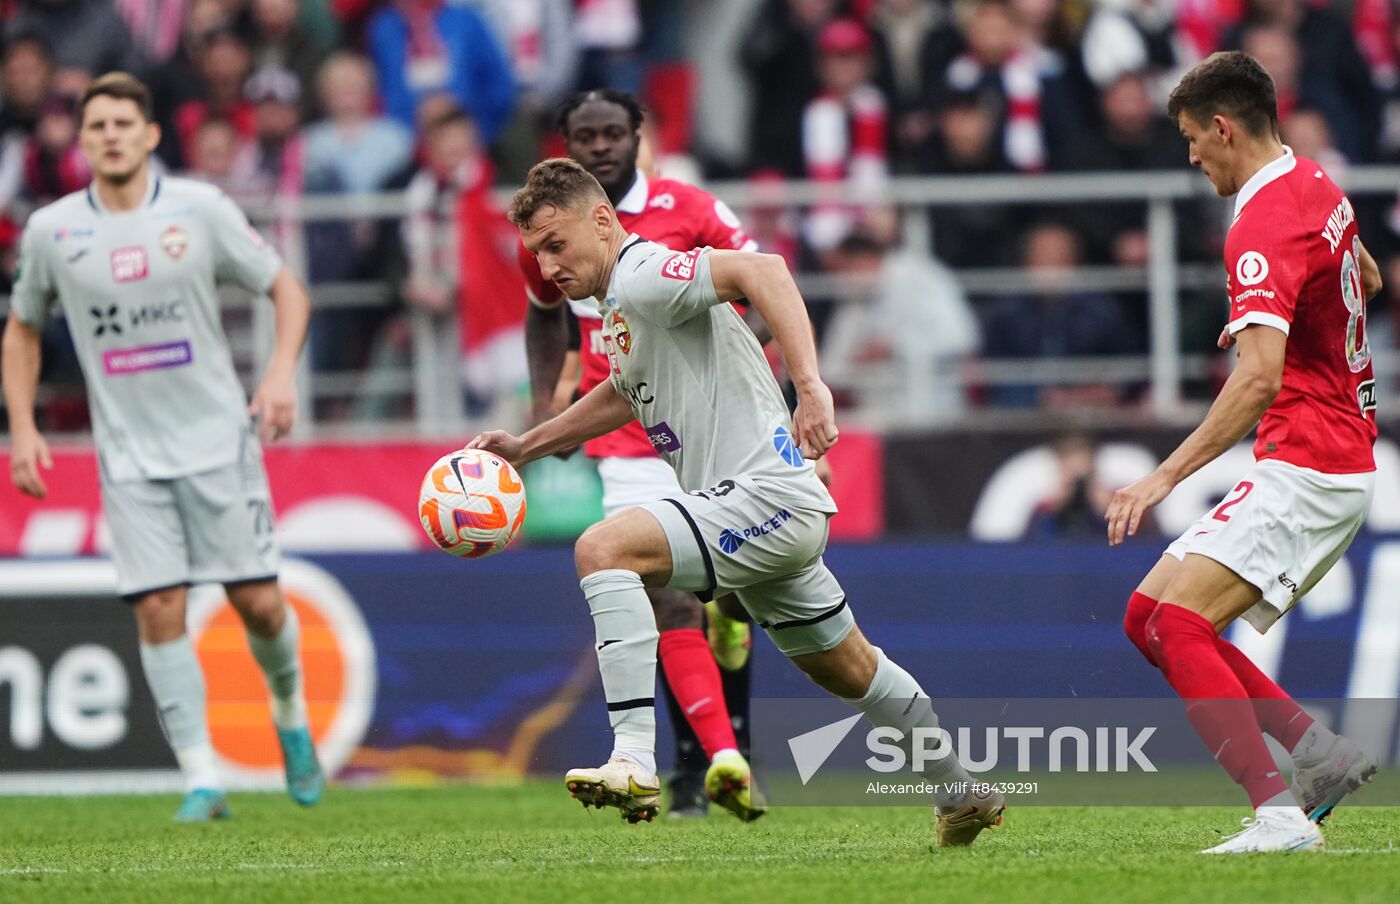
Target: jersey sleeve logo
681	266
1251	269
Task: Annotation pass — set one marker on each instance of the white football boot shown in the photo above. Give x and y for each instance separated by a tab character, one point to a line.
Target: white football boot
1322	777
621	783
1281	829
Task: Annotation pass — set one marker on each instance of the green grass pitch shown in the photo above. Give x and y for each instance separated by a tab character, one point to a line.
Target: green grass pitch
533	843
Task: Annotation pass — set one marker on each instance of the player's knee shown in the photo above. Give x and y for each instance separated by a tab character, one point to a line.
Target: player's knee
160	616
675	610
597	550
1140	609
260	605
1156	634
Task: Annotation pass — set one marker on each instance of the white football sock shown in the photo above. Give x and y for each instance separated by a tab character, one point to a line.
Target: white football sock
177	685
625	635
281	666
895	700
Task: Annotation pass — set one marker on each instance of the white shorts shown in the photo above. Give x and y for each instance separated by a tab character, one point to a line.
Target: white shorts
741	538
635	481
213	527
1281	529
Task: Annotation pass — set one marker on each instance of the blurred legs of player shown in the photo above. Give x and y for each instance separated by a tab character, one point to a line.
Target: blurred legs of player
177	685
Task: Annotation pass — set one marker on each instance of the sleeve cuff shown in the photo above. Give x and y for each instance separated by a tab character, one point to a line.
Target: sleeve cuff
1262	318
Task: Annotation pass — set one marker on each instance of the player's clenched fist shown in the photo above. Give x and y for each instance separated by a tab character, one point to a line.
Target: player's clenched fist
499	442
814	421
275	407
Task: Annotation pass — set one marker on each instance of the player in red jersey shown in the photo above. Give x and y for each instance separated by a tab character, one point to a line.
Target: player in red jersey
1298	281
602	131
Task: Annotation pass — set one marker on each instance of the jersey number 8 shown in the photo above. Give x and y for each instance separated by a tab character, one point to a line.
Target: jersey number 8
1358	343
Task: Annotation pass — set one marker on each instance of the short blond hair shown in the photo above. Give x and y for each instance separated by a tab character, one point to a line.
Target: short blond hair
120	86
558	182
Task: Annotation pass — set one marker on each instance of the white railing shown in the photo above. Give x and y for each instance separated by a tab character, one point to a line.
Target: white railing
432	378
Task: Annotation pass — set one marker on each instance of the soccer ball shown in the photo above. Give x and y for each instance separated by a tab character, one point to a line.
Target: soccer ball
471	503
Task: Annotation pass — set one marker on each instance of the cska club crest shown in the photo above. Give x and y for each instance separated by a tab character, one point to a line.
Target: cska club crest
622	333
174	240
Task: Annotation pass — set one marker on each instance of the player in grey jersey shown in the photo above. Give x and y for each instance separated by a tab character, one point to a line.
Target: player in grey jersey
134	262
754	517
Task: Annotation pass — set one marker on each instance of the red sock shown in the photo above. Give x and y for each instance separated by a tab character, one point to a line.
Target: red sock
1140	607
1184	644
694	678
1278	714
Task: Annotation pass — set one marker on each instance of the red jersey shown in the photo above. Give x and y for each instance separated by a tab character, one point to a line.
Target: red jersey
1293	260
670	213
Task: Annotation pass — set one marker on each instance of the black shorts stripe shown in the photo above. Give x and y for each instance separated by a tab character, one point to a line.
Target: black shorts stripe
133	598
799	622
709	590
631	704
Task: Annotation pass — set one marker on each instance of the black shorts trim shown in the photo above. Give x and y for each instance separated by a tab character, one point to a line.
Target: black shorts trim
134	597
631	704
708	593
239	582
799	622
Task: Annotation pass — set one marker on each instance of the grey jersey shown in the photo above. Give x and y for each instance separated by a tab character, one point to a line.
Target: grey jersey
696	377
138	288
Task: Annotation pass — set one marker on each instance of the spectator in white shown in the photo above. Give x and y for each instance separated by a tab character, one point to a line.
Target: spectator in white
899	339
84	34
844	129
353	150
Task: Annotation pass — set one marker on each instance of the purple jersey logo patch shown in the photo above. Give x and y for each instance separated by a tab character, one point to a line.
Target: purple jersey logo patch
119	361
663	438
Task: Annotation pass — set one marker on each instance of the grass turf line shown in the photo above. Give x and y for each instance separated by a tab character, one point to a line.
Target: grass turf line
532	843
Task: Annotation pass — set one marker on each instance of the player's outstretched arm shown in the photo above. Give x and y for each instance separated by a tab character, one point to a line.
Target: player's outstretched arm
19	370
546	343
601	411
1242	402
765	281
274	403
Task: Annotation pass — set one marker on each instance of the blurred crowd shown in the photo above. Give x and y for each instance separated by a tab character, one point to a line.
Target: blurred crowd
444	99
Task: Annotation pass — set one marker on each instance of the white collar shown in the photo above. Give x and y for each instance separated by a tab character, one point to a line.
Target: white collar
1267	173
635	201
152	192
